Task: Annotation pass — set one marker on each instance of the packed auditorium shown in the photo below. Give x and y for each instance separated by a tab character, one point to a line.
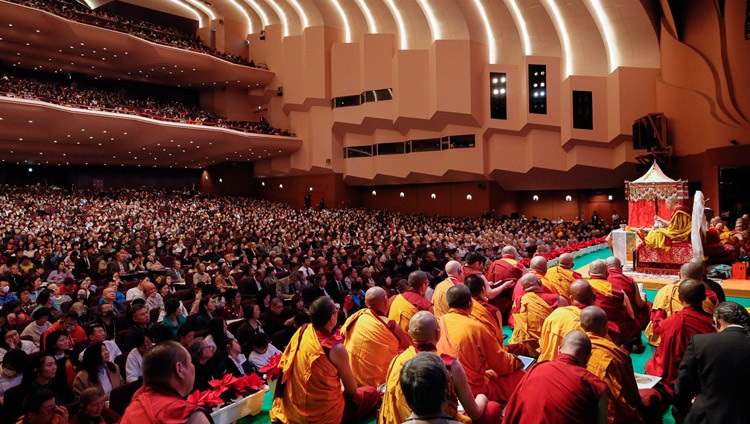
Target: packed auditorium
374	211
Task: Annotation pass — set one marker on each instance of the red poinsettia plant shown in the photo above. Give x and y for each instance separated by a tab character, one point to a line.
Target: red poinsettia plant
568	249
272	369
247	384
208	398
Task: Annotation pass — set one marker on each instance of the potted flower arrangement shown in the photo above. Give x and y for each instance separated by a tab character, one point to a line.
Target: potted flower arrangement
231	398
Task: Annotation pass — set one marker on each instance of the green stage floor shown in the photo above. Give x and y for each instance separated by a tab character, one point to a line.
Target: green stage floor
639	360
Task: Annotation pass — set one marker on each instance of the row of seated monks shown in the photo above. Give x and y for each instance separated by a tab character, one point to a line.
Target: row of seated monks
332	374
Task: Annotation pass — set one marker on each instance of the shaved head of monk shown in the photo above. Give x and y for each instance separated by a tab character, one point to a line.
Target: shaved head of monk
566	260
613	262
693	293
377	299
418	280
510	251
692	270
531	283
423	328
459	297
582	293
598	269
538	264
453	268
594	320
578	344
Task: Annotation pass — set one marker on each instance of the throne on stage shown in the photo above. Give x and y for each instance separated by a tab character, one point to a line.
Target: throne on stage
646	198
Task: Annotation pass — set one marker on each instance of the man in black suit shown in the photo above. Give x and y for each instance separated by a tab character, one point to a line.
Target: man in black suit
715	371
83	265
336	287
316	290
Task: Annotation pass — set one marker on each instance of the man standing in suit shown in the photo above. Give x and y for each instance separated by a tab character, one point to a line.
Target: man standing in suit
715	371
83	264
337	287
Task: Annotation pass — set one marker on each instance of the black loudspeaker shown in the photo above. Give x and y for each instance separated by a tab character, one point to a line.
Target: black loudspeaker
643	136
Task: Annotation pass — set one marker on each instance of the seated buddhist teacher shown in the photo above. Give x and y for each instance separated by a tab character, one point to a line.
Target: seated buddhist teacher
677	228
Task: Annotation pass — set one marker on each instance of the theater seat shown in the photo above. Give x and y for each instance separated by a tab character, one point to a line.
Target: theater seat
120	397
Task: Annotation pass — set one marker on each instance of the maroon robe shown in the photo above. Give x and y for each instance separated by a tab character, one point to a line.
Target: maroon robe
676	332
623	282
503	270
621	327
552	392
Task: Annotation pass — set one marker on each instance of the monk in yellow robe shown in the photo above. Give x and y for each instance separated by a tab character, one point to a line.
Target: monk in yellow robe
424	331
314	367
403	306
372	339
562	275
613	365
564	320
677	229
481	310
531	310
490	368
667	300
455	272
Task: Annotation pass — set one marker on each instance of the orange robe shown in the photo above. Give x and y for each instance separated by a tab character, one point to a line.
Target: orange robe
487	317
619	314
311	389
371	344
490	369
614	366
559	323
405	305
667	302
439	303
561	278
394	409
678	230
529	313
506	268
677	330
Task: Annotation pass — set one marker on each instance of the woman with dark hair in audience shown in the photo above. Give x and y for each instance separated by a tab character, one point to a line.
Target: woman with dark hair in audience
134	362
97	371
235	361
58	346
24	297
233	309
41	373
44	300
201	353
173	319
217	333
250	329
206	309
264	301
93	409
296	306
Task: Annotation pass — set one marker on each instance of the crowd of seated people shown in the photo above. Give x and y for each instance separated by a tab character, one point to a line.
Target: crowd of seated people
91	280
72	10
115	102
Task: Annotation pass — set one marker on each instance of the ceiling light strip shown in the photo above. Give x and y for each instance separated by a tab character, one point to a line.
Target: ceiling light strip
492	44
201	20
301	12
371	24
434	24
400	22
521	22
563	33
605	27
207	10
282	15
259	10
247	17
344	19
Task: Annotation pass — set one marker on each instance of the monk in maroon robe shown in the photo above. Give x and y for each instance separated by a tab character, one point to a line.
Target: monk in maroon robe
623	327
560	391
676	332
509	269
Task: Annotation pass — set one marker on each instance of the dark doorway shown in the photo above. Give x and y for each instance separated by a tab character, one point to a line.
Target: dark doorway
734	193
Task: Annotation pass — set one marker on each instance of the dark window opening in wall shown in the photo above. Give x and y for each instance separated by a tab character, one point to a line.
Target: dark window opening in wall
358	152
498	103
462	141
445	143
378	95
734	193
397	148
583	113
347	101
425	145
538	89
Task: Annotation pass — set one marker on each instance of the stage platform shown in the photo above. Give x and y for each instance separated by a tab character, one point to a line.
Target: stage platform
732	287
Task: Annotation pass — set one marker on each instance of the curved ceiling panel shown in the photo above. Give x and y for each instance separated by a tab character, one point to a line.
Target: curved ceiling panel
583	47
508	48
415	29
340	14
308	13
265	13
448	17
289	20
635	41
543	38
236	10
